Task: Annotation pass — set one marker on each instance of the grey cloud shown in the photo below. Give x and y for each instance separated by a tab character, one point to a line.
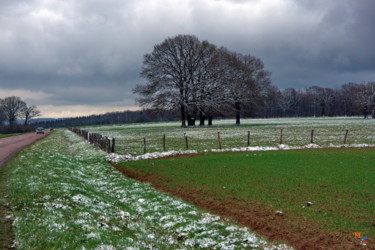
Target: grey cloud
64	47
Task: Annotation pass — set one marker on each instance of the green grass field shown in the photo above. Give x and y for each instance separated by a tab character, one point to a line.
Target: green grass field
339	182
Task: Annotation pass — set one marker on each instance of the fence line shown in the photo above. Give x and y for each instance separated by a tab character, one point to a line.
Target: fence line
109	144
104	143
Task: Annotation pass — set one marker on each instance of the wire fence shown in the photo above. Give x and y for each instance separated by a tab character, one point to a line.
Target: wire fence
158	142
104	143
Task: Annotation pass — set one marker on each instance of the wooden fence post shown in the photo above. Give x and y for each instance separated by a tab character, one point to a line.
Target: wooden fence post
113	145
248	138
312	136
346	136
186	142
219	140
144	145
281	136
164	147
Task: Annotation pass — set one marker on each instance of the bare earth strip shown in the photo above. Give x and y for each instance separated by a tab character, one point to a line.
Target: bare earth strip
9	146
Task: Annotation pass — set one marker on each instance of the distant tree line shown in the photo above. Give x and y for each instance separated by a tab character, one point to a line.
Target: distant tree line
13	108
351	99
108	118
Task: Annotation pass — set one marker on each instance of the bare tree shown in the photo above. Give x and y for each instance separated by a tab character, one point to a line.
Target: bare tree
269	105
2	114
207	88
175	72
198	79
288	102
366	97
12	108
245	80
29	112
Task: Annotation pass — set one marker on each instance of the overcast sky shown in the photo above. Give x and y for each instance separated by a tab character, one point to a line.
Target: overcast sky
80	57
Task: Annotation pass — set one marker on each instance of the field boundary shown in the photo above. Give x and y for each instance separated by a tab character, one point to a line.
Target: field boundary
102	142
108	144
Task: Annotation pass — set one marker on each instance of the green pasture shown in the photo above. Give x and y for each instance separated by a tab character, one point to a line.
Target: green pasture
130	138
339	182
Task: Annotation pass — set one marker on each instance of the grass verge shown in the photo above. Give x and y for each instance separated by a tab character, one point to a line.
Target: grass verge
339	183
8	135
64	195
6	234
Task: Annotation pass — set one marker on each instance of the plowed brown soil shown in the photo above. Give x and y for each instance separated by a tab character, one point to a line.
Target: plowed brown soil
299	233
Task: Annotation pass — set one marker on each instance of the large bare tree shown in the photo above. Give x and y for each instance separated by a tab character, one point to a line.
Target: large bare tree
174	72
29	112
245	80
12	108
205	88
199	79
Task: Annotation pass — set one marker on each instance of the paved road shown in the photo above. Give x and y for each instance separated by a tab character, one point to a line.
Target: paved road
9	146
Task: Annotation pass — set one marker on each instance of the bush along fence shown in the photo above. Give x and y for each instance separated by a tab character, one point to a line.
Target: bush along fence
143	145
104	143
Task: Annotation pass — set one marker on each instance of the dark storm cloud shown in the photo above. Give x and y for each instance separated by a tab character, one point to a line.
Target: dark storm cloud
89	52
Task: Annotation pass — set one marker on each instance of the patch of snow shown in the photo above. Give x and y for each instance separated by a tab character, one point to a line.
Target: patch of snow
81	199
105	247
287	147
93	236
119	158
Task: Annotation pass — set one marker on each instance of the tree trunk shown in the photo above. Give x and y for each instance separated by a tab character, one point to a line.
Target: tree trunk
12	121
323	109
209	120
183	116
201	119
191	121
237	106
365	112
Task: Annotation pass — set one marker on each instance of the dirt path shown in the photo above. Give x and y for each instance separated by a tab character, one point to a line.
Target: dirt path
9	146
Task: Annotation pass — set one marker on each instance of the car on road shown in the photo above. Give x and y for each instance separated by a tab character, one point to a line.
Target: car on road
40	130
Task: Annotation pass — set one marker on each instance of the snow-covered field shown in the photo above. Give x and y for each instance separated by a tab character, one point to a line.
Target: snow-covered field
63	195
296	132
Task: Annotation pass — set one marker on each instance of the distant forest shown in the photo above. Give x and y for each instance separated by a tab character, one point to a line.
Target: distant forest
351	99
108	118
